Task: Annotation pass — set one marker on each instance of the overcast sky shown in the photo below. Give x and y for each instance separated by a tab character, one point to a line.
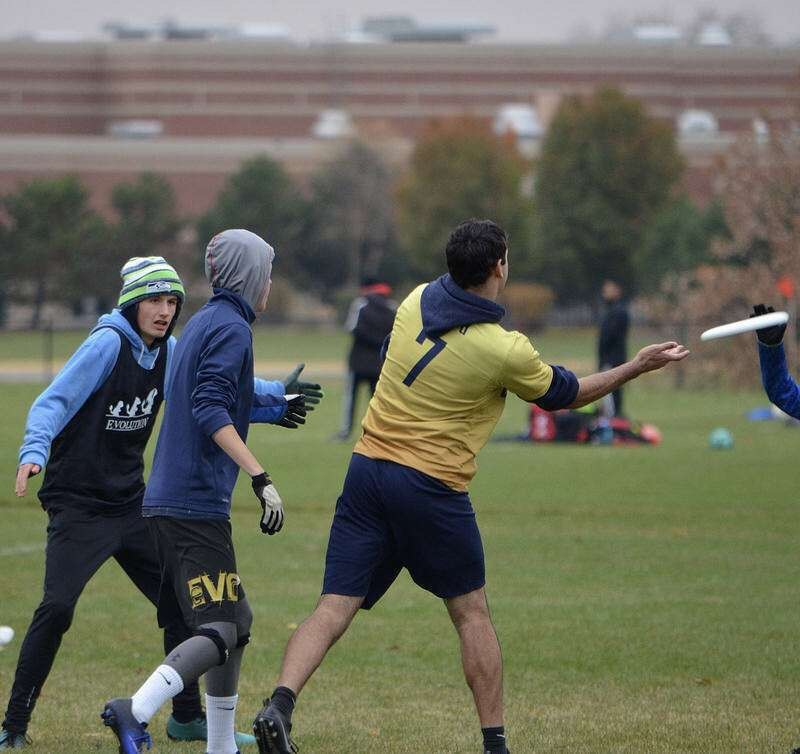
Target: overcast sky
532	20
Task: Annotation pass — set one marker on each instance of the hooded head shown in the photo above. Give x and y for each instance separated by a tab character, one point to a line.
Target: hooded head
145	277
241	262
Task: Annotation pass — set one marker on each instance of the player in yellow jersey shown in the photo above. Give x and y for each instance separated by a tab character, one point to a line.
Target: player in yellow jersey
449	366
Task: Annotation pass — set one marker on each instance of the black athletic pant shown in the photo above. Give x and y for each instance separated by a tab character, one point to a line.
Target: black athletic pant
78	543
354	380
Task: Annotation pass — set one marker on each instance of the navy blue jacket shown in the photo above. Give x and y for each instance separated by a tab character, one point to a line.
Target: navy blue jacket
212	386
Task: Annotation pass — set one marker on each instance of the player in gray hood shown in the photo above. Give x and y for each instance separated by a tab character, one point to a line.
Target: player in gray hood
202	445
240	262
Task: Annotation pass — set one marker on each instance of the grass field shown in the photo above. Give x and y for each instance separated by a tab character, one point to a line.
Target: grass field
646	598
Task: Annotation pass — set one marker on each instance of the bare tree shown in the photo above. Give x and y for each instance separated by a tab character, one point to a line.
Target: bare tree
761	200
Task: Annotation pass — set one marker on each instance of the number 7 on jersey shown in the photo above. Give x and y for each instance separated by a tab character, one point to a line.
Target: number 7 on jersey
427	357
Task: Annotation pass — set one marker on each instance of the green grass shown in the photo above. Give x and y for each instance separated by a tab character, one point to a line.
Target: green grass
285	343
646	598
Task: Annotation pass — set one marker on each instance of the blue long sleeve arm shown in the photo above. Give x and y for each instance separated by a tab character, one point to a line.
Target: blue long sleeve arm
217	382
781	389
87	369
269	387
269	404
218	371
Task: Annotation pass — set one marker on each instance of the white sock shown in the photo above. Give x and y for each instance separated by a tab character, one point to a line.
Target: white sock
162	685
220	716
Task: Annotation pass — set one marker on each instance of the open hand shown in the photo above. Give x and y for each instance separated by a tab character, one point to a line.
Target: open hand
769	336
295	411
311	390
658	355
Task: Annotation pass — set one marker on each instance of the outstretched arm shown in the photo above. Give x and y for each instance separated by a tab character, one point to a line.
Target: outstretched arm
781	389
650	358
284	402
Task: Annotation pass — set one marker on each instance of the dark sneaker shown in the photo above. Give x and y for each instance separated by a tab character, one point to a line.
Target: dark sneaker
272	731
132	734
197	730
11	740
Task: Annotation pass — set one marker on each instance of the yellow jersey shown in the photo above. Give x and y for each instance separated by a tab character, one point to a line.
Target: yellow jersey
438	400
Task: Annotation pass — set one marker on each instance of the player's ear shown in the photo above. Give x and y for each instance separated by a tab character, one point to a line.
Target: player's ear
497	270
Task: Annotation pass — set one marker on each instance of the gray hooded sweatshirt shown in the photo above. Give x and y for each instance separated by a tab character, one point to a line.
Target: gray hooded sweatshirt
241	262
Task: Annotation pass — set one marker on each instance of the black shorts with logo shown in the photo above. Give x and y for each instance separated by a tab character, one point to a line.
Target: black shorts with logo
199	580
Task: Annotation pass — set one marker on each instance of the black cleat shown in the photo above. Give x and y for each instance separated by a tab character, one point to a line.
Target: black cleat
272	731
130	733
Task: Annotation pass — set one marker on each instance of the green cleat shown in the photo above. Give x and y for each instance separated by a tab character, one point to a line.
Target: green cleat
197	730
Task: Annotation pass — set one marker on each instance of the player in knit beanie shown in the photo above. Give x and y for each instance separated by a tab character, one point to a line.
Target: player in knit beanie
143	277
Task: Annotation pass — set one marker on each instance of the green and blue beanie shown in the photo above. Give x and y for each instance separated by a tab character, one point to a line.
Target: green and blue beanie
143	277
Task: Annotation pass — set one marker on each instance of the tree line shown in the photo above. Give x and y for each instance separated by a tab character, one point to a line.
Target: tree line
602	200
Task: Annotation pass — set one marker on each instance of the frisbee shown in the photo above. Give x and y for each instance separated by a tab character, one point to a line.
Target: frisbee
746	325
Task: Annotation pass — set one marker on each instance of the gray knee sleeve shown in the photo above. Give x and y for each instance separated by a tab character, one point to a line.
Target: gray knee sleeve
244	620
224	636
224	680
208	648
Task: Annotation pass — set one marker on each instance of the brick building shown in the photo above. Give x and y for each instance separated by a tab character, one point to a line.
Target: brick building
204	106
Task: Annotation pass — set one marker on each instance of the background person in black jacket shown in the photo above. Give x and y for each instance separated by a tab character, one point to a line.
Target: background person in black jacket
369	320
612	348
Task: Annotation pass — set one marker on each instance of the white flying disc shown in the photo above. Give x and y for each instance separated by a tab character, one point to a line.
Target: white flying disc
746	325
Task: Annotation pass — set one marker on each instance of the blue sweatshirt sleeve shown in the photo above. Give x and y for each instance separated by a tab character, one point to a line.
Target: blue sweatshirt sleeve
269	404
218	370
269	387
87	369
781	389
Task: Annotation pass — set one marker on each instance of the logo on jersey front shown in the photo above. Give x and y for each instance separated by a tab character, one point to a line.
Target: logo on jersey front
128	417
203	589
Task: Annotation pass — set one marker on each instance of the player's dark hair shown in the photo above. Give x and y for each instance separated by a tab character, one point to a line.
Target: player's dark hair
473	250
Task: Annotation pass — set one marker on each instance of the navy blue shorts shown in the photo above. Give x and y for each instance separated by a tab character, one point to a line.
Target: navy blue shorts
391	517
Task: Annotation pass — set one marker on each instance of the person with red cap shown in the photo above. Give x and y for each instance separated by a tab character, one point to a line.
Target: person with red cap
369	321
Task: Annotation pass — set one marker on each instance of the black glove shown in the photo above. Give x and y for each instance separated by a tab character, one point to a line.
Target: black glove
271	504
310	390
295	413
769	336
